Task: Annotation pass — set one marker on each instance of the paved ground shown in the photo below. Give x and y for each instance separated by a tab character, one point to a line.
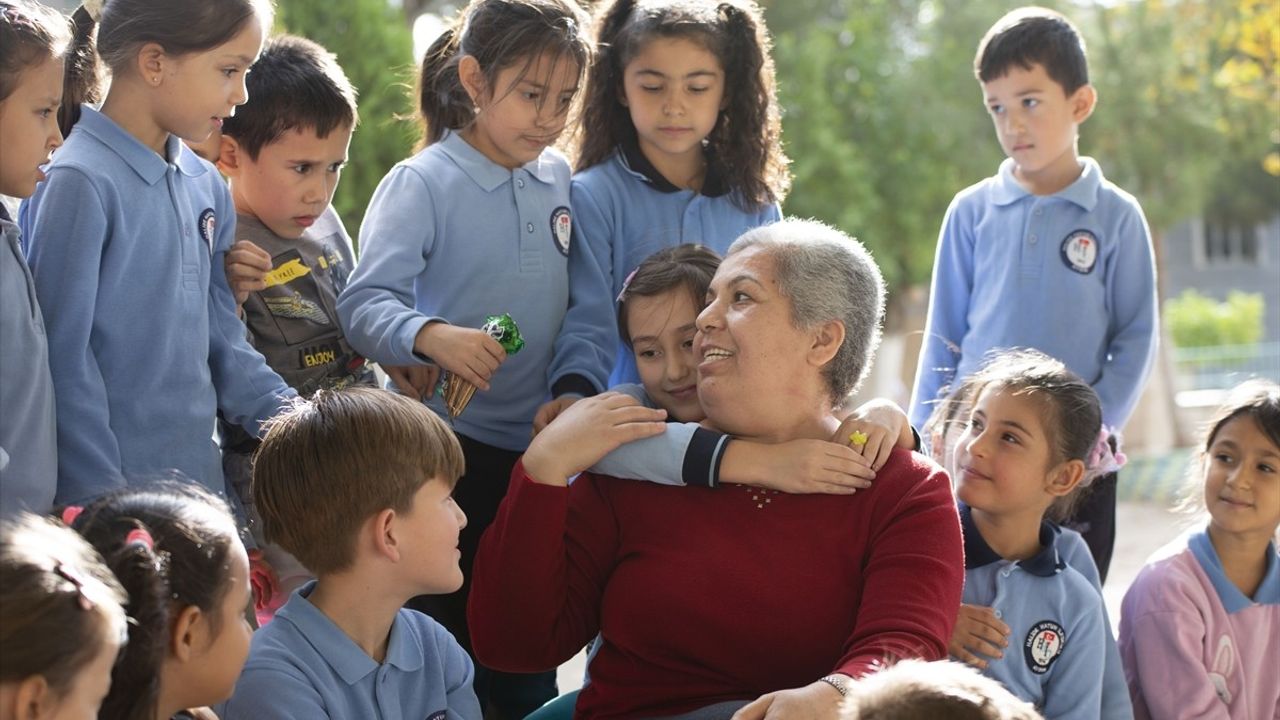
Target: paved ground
1143	528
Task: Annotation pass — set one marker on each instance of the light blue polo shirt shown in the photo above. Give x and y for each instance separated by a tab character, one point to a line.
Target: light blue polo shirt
127	249
1070	274
1057	644
28	430
451	236
302	665
624	211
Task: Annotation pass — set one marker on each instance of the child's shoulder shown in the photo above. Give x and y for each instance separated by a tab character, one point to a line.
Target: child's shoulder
434	639
1169	577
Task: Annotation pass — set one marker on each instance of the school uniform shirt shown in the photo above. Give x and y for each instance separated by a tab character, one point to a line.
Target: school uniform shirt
127	250
28	430
1074	551
1070	274
302	665
625	211
451	236
1193	645
1057	643
684	454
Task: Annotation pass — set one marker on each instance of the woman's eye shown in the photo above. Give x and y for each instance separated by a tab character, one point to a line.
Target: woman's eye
740	296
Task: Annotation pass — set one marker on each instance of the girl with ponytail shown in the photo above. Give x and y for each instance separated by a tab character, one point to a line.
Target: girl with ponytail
476	224
176	551
681	143
126	240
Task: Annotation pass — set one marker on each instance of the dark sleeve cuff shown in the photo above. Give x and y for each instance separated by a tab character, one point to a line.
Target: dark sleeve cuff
703	457
573	383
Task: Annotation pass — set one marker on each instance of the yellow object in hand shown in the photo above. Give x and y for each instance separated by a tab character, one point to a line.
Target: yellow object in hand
858	438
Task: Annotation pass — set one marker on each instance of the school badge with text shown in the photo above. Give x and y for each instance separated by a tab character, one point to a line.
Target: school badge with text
1044	644
561	226
1080	251
206	226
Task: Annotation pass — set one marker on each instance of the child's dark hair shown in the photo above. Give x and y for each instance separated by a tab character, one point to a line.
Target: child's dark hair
1258	399
746	143
1034	36
295	84
30	34
1071	412
684	266
170	546
124	26
330	463
498	34
58	602
950	411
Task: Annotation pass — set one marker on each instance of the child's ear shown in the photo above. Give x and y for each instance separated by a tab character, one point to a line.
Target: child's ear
1064	478
386	540
1083	100
189	633
32	699
229	156
152	62
827	339
472	77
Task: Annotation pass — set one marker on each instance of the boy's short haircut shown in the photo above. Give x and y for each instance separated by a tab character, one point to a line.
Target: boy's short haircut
295	84
329	463
1030	36
918	690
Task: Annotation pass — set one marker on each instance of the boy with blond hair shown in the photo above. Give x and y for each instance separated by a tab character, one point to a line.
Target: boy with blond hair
358	485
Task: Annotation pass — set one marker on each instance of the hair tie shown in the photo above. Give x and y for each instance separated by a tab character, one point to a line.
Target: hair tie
139	536
73	576
70	513
627	283
1103	460
93	8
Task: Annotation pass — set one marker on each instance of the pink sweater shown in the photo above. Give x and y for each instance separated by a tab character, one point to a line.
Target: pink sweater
1193	645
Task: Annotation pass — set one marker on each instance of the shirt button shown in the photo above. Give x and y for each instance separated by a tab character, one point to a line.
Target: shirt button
1032	239
519	182
999	614
529	227
1039	212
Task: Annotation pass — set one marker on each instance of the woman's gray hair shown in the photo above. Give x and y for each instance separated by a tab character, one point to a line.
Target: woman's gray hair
827	275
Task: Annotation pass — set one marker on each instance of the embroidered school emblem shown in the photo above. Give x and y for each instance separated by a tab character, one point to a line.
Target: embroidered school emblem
206	226
561	225
296	307
1080	251
1044	644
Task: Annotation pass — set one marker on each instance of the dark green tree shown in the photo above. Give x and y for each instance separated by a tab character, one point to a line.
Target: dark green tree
375	48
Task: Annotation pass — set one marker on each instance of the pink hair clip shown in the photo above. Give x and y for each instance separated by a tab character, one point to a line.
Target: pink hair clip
626	284
140	536
70	513
73	576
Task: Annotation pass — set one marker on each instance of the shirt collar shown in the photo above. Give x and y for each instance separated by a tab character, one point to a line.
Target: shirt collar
637	164
1232	599
978	553
1082	192
4	214
348	660
488	174
145	162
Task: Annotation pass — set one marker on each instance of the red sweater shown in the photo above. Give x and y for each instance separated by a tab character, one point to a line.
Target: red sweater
706	595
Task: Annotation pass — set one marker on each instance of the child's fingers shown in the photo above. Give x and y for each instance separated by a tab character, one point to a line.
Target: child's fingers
982	646
969	658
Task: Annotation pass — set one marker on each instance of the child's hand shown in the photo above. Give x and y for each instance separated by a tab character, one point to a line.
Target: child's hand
550	410
978	630
415	381
468	353
797	466
247	267
879	425
587	431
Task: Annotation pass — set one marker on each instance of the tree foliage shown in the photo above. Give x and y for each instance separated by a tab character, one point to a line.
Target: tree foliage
1196	320
374	47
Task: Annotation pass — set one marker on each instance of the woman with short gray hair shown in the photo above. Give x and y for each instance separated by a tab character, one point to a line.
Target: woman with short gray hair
711	601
